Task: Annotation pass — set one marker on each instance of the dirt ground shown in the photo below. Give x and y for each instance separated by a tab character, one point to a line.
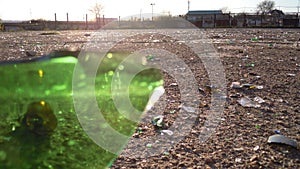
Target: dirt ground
263	57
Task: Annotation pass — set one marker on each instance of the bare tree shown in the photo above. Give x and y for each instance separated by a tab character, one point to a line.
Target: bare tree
225	9
1	25
265	7
97	9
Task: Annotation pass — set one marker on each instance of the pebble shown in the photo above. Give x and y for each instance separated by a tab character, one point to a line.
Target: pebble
256	148
31	53
235	85
238	160
254	157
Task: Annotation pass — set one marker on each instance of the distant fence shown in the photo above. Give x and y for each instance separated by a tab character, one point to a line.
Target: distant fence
56	25
227	20
245	20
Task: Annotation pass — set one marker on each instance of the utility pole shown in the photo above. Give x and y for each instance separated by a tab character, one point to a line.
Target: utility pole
152	4
30	13
189	3
86	21
67	20
55	21
298	6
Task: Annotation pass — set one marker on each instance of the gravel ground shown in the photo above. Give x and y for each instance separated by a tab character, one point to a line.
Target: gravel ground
263	57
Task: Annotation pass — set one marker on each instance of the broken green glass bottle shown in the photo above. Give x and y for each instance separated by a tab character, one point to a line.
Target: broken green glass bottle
39	126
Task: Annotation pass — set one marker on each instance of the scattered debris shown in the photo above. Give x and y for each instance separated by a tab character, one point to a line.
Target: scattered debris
281	139
50	33
250	65
254	39
235	85
169	132
238	160
172	111
166	153
254	157
156	94
203	104
291	75
188	109
149	145
247	102
239	149
31	53
235	95
158	121
150	58
256	148
259	100
277	131
173	84
254	74
251	86
279	100
257	126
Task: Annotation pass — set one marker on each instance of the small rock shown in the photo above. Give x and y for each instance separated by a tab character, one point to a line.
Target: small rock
235	85
203	104
256	148
258	99
31	53
254	157
208	160
238	160
169	132
253	164
239	149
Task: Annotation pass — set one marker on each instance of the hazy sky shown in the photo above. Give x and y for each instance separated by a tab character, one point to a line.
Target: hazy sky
34	9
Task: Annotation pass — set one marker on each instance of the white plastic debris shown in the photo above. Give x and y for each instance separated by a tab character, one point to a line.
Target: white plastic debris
235	85
259	99
247	102
156	94
291	75
169	132
189	109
